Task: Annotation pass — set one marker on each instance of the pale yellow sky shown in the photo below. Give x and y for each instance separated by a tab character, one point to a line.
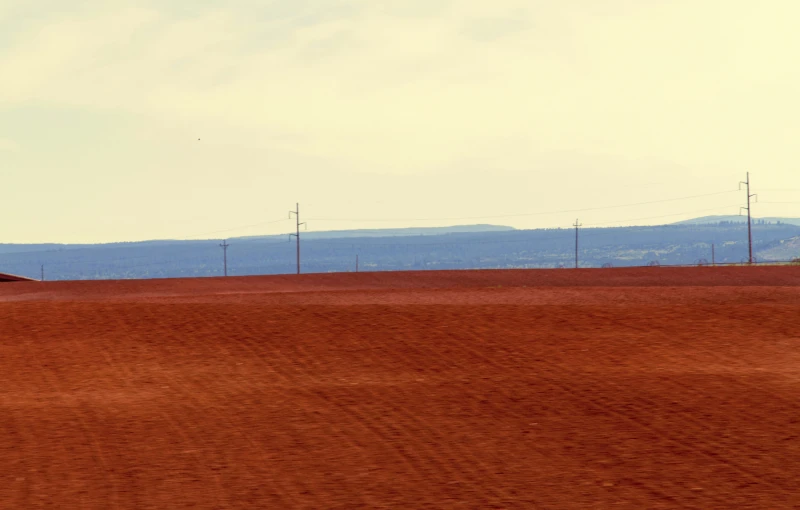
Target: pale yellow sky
415	110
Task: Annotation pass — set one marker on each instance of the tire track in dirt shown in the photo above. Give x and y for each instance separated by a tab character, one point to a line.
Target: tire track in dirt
459	356
196	400
285	367
417	374
514	371
241	333
473	338
605	405
191	443
464	462
194	443
79	416
367	423
702	351
207	328
387	429
36	450
708	435
686	440
728	450
428	369
17	437
414	448
381	433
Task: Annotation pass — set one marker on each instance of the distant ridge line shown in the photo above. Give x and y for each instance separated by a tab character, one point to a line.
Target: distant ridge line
713	220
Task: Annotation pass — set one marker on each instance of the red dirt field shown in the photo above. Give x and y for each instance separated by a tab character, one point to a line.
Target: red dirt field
614	388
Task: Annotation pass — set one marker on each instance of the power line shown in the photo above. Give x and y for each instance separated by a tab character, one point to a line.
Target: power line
529	214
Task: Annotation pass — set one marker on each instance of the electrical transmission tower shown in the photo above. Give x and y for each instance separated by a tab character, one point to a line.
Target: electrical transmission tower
577	226
297	235
224	247
749	220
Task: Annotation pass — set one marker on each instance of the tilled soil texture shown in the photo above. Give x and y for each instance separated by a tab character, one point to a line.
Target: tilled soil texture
618	388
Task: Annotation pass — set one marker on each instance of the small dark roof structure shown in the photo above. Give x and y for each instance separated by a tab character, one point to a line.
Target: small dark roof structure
14	278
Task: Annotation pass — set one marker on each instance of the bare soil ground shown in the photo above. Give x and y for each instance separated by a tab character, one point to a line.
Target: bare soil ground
617	388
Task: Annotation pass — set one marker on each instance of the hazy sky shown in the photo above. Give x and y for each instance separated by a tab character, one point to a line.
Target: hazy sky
409	110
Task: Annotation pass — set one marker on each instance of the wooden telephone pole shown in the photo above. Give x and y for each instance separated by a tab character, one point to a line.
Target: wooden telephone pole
577	226
749	220
296	212
224	247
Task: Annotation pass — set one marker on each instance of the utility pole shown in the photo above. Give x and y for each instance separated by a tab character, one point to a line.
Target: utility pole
224	247
42	272
297	235
577	226
749	221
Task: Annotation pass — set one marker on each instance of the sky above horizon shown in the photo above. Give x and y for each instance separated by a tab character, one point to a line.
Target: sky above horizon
125	121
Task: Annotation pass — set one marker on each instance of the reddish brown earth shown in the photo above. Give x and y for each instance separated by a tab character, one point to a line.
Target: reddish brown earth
618	388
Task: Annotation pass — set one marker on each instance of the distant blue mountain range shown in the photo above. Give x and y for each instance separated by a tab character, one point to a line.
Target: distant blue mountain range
458	247
393	232
712	220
